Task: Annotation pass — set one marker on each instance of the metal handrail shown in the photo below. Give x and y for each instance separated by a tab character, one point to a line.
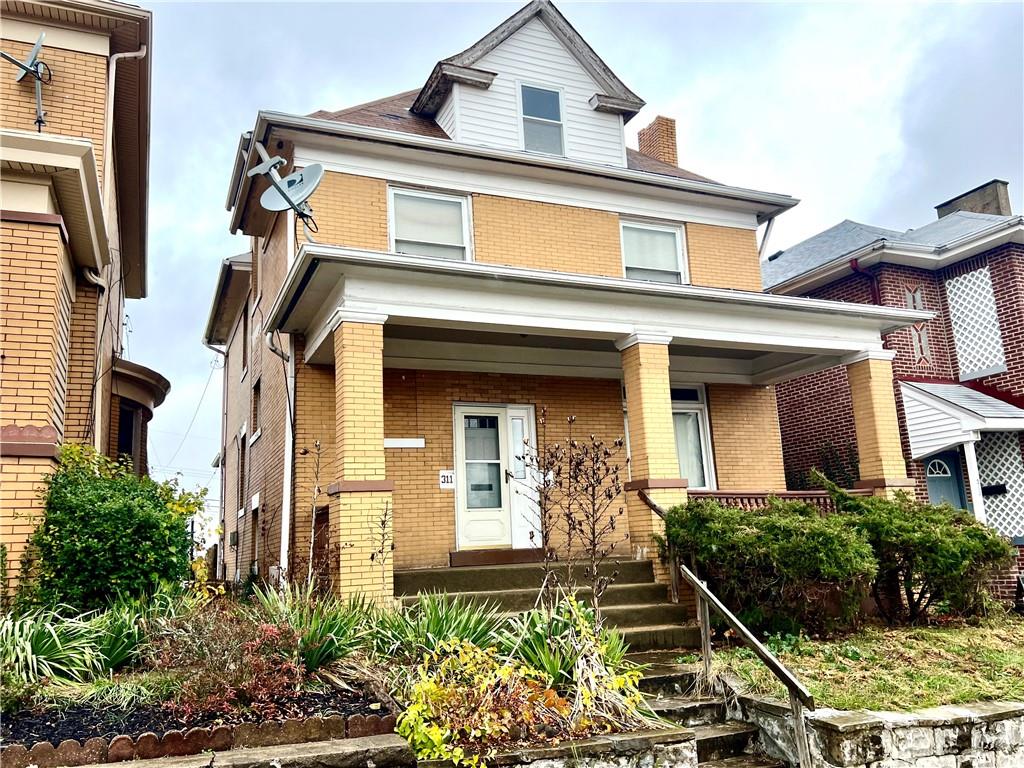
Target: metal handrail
799	696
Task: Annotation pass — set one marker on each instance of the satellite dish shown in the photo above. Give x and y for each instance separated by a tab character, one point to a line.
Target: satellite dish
39	71
293	190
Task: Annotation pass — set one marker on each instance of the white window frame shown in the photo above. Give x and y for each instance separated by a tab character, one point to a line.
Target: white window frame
523	117
467	211
700	407
679	230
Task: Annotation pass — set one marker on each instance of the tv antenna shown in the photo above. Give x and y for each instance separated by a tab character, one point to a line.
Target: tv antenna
39	71
292	191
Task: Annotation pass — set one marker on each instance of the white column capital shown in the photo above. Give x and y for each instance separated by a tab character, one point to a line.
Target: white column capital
342	315
869	354
643	337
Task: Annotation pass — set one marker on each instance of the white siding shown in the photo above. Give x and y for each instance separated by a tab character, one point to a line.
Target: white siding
534	56
930	429
446	115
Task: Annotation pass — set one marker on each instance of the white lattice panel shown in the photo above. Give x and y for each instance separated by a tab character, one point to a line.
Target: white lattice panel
972	309
1000	461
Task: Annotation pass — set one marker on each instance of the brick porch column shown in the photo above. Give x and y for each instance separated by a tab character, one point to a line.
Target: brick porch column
361	492
653	463
880	452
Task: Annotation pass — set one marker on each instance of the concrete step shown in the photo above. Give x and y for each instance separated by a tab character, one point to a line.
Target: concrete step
722	740
499	578
645	615
663	675
661	636
689	711
524	599
743	761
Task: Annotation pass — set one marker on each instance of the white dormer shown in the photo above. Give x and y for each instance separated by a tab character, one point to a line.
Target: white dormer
533	85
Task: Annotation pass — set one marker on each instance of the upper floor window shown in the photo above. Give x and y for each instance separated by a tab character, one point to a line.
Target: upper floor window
429	224
653	252
542	120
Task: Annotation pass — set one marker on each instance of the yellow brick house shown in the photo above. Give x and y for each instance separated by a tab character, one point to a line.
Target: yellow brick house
489	249
74	186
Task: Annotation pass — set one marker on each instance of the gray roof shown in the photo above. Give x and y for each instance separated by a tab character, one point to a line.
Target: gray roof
848	236
971	400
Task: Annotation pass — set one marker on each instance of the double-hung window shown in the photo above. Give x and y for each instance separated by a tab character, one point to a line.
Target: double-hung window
429	224
653	252
693	445
542	120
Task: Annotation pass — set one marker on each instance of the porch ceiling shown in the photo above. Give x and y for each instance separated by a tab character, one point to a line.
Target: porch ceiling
468	316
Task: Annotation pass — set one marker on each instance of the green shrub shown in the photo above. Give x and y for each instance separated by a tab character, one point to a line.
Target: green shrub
106	531
328	629
549	642
780	568
435	619
40	645
926	553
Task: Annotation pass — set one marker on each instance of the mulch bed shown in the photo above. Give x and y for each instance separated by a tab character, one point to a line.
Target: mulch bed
83	722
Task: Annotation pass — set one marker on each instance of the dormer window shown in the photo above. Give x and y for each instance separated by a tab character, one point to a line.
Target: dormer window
542	120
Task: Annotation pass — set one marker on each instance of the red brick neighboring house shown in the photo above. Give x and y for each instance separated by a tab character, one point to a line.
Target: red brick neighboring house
958	378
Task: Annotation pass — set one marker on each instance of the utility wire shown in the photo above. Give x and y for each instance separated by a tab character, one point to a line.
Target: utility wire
213	369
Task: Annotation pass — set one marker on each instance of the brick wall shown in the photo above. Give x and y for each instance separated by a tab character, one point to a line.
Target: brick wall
74	101
237	406
81	365
746	436
419	404
352	210
35	319
524	233
723	257
1004	586
21	481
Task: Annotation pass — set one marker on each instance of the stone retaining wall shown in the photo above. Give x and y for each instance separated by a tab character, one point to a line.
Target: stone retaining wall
983	735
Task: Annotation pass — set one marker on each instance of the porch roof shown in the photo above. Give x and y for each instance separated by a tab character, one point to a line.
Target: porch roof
940	415
772	337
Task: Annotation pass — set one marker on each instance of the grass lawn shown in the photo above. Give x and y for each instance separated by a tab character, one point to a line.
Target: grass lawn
903	668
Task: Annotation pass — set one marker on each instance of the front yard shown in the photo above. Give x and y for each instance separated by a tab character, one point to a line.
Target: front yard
897	668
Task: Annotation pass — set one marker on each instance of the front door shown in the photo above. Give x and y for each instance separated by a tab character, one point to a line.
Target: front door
945	480
493	496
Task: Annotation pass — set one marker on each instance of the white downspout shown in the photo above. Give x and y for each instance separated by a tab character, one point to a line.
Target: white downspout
974	480
108	125
764	239
289	459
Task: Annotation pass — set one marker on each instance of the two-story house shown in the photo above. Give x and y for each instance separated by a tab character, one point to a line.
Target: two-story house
488	250
74	194
958	378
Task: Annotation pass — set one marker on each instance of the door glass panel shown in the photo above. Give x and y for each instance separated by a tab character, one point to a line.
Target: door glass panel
689	448
518	449
482	438
483	485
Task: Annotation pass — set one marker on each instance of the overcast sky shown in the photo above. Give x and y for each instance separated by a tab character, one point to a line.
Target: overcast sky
873	112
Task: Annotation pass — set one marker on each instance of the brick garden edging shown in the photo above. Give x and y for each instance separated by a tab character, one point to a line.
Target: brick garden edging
193	741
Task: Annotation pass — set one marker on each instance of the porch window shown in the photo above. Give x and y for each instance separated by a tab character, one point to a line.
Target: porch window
693	446
542	120
429	224
653	252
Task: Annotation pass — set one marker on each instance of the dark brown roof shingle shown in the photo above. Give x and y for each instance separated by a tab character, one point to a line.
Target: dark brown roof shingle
392	114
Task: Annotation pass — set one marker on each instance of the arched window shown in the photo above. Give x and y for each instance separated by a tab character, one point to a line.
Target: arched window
938	468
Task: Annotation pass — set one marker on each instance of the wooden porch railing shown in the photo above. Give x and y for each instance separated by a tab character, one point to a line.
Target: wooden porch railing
759	499
799	697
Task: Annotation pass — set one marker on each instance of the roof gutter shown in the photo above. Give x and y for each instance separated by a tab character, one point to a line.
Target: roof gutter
267	120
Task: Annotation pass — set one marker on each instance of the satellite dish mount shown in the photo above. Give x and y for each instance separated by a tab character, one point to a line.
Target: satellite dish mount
291	192
39	71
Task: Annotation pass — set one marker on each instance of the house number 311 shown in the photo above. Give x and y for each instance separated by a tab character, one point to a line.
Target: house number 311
446	479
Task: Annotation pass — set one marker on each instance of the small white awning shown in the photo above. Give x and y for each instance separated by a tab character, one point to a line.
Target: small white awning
940	416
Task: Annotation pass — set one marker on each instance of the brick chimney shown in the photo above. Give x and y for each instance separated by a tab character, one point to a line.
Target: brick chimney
992	197
659	140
